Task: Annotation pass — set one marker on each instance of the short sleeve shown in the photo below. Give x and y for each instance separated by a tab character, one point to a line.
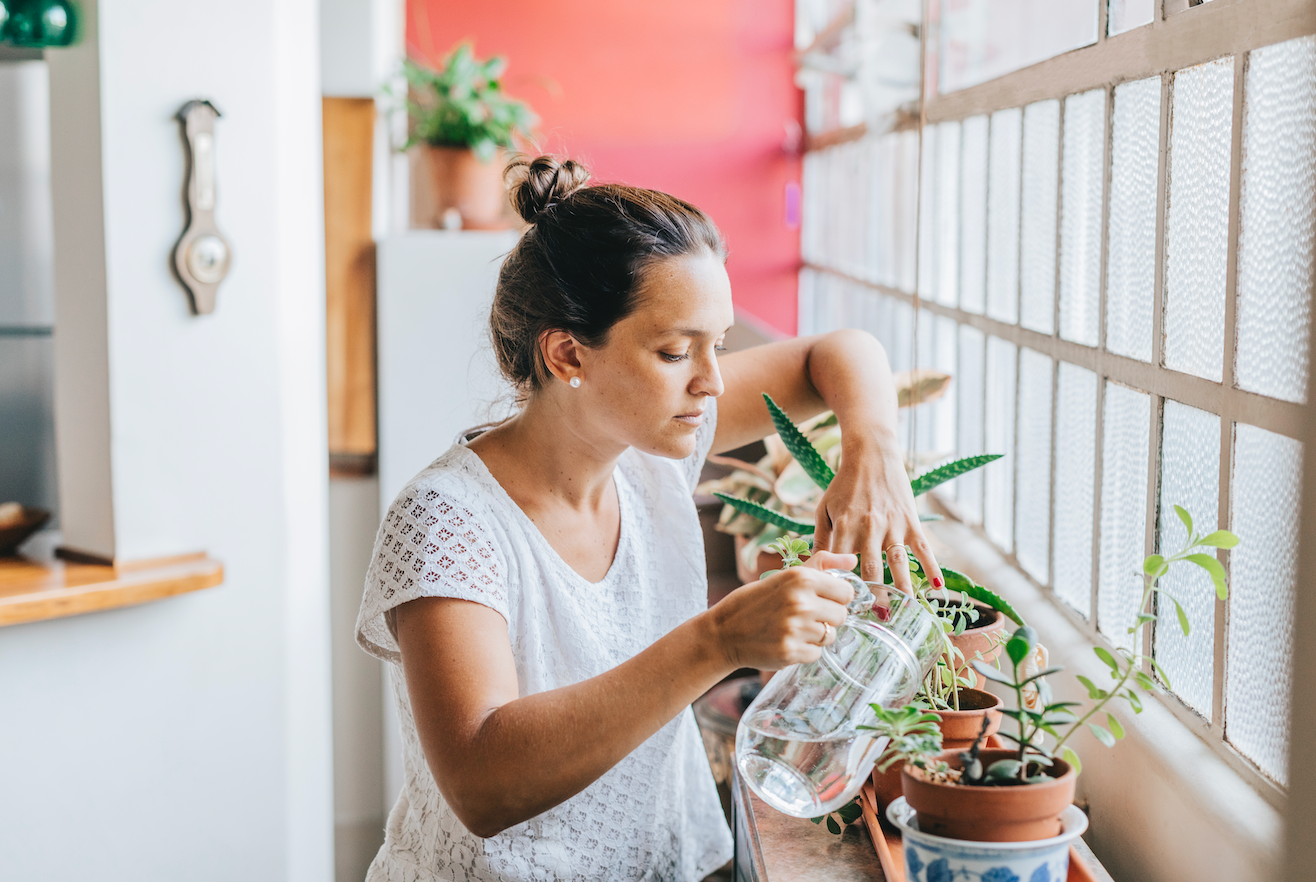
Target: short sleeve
435	541
694	463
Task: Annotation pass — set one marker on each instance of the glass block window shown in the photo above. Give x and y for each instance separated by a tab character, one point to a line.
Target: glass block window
1131	260
1197	218
1082	178
1190	479
1037	236
1277	220
1119	277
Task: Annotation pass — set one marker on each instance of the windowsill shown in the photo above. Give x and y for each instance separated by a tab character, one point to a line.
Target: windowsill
33	591
1163	796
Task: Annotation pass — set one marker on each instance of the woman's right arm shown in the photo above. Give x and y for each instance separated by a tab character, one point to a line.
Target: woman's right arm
500	759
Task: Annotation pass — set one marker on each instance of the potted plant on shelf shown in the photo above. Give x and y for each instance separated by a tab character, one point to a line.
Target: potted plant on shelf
1024	793
462	122
802	460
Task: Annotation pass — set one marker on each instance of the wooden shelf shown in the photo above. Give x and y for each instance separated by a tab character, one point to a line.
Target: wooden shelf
32	591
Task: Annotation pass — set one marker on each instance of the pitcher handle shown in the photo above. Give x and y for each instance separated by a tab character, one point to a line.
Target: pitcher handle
863	597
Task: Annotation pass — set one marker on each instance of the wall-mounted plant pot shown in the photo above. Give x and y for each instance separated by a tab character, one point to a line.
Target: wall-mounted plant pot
985	636
929	856
450	183
1018	813
959	729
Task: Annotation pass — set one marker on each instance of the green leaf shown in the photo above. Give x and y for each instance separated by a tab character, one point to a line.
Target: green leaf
1152	563
1002	770
1219	539
1160	672
1216	571
1020	645
805	454
1115	728
925	518
1144	681
957	581
1104	654
1067	754
1102	735
1183	617
832	826
991	673
940	475
1144	618
1040	674
1093	691
1186	518
1134	701
850	812
767	515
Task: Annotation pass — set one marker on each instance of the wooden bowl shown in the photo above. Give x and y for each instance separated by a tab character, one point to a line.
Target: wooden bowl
13	535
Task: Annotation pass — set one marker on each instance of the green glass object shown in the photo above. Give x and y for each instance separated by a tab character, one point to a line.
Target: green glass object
21	28
38	23
57	22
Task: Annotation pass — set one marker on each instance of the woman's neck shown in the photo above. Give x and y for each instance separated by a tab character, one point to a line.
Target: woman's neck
542	454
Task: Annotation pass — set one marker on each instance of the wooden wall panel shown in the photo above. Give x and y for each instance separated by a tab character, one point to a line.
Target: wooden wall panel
349	125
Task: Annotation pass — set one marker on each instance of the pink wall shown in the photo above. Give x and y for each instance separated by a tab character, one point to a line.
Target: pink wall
694	97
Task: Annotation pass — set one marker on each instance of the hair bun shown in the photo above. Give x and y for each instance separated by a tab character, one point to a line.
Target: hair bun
535	185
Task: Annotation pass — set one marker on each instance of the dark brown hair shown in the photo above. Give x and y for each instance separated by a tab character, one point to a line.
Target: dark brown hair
579	265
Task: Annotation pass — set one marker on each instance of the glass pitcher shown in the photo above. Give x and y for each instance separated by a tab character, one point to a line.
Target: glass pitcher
799	746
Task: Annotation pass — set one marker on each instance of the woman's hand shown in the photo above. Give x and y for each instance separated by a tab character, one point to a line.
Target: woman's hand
869	508
779	621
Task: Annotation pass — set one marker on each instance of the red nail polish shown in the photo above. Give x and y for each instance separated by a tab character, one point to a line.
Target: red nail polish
936	582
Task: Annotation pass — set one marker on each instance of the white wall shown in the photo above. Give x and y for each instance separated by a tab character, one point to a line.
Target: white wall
187	738
437	372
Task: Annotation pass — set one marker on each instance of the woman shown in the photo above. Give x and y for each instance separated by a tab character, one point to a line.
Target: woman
542	588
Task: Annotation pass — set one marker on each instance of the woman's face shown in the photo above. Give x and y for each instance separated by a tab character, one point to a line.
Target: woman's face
649	384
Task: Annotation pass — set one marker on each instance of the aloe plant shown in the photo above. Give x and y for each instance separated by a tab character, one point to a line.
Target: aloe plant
816	467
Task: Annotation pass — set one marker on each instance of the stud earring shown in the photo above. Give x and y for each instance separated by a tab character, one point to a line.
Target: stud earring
575	382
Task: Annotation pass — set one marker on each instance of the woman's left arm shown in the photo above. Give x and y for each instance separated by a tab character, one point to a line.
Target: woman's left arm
869	506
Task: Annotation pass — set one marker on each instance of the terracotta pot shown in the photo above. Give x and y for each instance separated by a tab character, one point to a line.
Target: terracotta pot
448	178
985	636
1018	813
959	729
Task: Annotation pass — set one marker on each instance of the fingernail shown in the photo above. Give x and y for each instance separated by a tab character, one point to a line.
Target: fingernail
936	582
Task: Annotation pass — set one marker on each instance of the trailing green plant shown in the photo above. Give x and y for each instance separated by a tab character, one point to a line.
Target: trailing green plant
1128	668
913	737
463	105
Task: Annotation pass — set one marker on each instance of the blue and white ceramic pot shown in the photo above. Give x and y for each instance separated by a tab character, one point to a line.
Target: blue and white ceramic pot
931	858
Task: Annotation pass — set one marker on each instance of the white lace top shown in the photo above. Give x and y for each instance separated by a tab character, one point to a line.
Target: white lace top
454	532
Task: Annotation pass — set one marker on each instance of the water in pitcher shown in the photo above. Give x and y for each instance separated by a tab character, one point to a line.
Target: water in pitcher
803	773
801	745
